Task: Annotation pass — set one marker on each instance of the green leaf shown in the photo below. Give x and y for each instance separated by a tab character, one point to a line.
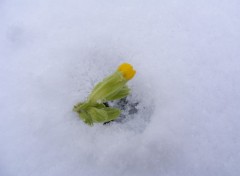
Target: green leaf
99	106
103	115
81	106
113	113
98	115
85	117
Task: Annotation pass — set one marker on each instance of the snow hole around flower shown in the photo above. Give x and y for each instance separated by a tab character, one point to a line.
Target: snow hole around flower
136	109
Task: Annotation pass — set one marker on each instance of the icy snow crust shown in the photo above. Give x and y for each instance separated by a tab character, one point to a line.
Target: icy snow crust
186	54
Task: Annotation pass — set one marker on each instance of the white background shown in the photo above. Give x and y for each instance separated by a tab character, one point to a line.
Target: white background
187	57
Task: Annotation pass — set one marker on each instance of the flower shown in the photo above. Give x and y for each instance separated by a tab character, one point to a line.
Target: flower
127	70
113	87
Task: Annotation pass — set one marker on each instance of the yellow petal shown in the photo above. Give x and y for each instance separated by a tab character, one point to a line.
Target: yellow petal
127	70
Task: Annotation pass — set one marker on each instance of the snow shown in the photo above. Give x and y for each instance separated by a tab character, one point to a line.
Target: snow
186	54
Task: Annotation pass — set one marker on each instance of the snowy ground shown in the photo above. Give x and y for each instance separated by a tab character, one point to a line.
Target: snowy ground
187	57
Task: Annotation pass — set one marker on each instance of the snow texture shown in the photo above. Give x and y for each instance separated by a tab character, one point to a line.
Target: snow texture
187	57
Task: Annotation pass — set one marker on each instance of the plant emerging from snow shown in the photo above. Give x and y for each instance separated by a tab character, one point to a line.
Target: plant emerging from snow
113	87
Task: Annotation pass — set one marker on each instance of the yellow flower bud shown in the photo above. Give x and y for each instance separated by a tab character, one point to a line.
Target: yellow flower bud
127	71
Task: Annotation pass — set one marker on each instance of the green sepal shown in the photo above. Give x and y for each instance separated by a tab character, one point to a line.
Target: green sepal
108	87
120	94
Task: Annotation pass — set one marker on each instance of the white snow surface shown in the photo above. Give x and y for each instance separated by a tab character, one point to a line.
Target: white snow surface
187	57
